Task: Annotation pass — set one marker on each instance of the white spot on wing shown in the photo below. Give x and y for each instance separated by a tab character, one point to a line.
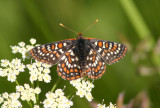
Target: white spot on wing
64	44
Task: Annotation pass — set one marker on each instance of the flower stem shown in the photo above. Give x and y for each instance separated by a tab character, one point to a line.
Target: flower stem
135	18
37	96
55	85
29	103
17	82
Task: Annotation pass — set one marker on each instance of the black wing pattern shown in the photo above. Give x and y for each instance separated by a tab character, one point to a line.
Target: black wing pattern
51	53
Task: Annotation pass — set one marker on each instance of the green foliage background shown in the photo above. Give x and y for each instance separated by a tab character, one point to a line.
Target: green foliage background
136	20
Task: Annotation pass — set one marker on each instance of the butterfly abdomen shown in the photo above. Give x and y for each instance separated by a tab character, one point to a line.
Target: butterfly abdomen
81	52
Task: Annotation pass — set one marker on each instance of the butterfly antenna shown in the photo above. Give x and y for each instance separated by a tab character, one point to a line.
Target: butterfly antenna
68	28
90	26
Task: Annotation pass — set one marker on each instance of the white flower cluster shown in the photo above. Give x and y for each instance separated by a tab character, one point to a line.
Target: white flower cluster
104	106
83	87
27	93
57	100
11	69
39	71
24	49
36	106
10	100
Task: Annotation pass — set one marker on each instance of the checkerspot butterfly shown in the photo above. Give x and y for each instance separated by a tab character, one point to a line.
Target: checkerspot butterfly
80	57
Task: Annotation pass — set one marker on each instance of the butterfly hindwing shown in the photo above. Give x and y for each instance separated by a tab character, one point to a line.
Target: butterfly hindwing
52	52
68	67
110	52
96	67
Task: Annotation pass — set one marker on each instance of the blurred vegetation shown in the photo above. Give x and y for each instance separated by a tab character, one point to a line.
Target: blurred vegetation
132	22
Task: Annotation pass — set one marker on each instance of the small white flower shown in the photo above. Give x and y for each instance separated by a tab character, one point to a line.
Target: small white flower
26	86
19	88
3	72
21	44
1	100
111	105
101	106
4	63
32	41
81	93
59	92
11	77
31	66
36	106
57	100
33	77
47	78
15	49
84	88
37	90
46	70
29	47
14	95
10	100
23	50
5	95
39	72
16	61
28	93
89	97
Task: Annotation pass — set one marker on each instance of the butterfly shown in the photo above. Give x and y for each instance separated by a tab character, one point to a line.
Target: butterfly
79	57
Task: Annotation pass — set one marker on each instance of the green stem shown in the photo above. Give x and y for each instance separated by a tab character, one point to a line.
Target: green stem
29	103
55	85
17	82
37	96
135	18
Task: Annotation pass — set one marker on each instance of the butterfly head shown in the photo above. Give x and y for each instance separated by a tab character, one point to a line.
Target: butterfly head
80	35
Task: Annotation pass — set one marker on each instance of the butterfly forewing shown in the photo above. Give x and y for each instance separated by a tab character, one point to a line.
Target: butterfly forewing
110	52
52	52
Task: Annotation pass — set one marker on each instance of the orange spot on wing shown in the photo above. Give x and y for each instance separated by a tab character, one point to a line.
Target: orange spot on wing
114	48
68	71
96	70
69	58
63	65
93	58
100	44
65	69
76	70
60	45
59	73
98	67
53	47
72	78
42	60
100	64
64	77
77	76
90	38
99	75
57	68
54	52
106	45
57	55
67	54
31	51
92	69
71	70
71	39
